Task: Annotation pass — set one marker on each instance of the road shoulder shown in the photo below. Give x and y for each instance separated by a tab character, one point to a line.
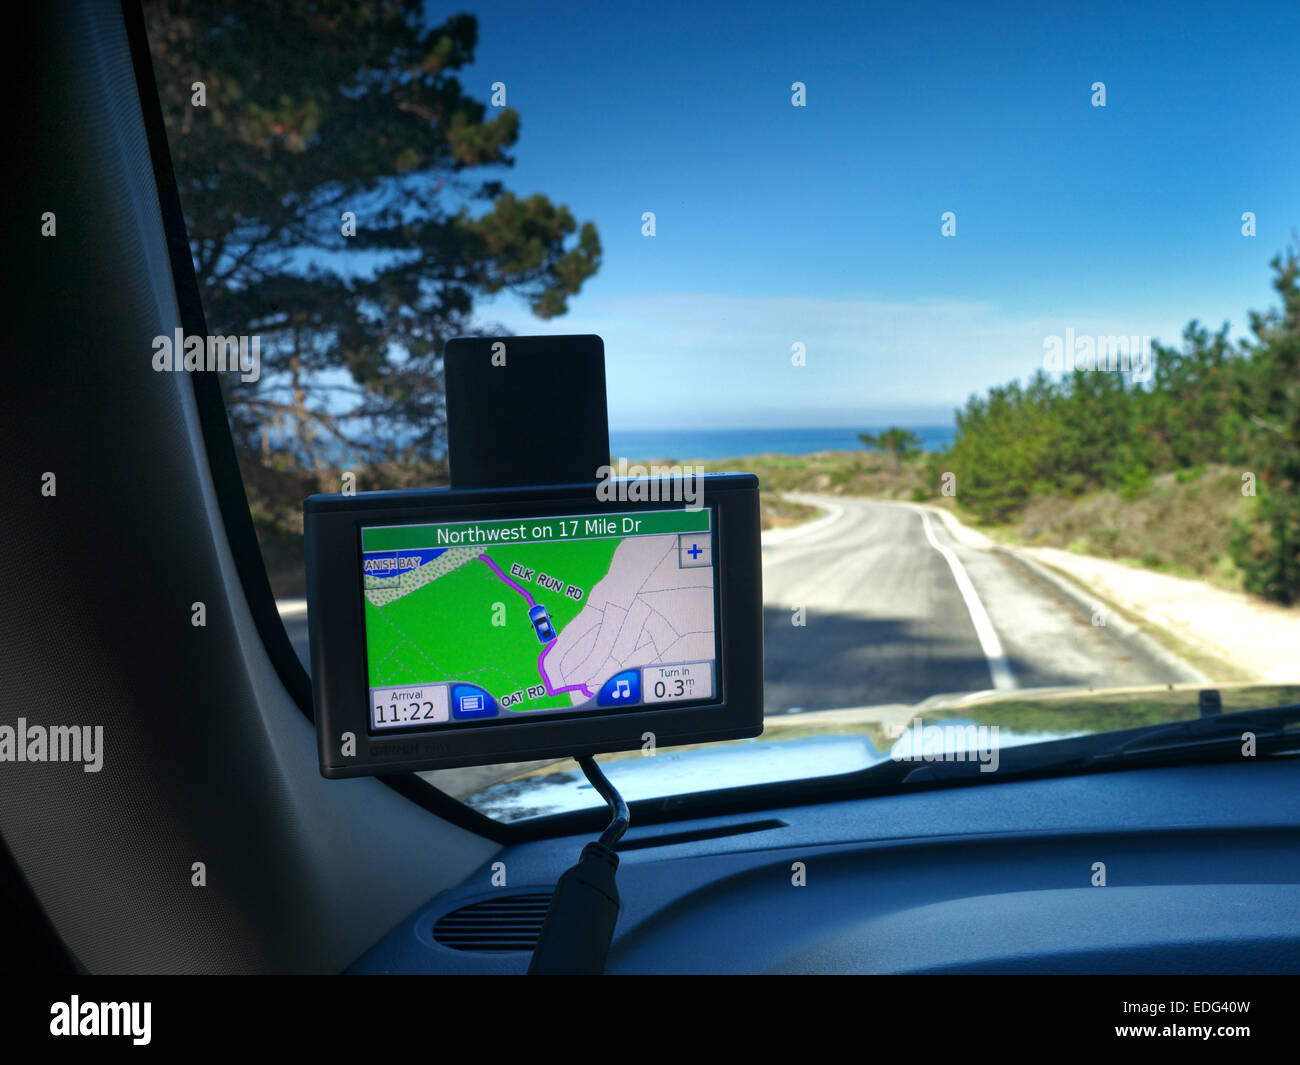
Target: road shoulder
1225	635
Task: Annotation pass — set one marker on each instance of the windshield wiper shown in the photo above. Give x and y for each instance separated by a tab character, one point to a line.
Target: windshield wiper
1215	737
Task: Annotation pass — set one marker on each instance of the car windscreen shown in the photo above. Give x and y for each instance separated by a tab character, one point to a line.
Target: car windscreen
1013	357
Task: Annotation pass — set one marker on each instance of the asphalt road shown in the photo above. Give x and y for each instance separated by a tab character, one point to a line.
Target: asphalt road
894	610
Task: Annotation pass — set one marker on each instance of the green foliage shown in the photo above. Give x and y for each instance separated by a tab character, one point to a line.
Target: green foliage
313	110
893	441
1133	481
1103	540
1268	553
1206	402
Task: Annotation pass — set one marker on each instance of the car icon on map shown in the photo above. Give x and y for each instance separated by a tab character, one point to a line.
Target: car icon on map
542	623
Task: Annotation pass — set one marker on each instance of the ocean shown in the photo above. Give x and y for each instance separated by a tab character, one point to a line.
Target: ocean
639	445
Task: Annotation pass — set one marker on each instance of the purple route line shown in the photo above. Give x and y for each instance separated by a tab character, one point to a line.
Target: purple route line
559	691
542	657
497	570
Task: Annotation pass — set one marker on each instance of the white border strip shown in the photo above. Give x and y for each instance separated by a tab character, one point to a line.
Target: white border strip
1003	680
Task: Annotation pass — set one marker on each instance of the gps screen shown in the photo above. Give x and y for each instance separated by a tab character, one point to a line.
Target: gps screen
496	621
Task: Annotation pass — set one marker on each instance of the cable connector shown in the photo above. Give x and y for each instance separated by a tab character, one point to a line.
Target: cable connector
579	925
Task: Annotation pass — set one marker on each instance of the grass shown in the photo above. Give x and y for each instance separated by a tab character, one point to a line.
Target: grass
775	512
1180	525
848	473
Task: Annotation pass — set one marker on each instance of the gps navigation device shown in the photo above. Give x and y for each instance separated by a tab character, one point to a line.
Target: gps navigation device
456	627
546	604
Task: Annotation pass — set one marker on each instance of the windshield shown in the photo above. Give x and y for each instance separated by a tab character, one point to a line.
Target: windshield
1003	309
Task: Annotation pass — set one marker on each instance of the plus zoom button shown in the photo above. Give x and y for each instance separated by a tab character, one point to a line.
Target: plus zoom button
694	549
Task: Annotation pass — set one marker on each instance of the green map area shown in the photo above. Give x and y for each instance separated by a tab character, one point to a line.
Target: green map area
470	625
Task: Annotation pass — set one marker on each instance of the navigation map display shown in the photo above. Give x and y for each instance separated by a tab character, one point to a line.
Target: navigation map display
487	622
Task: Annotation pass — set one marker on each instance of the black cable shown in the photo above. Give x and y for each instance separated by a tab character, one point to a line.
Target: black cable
579	925
607	791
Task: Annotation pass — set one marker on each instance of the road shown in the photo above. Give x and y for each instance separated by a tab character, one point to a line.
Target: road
885	620
894	611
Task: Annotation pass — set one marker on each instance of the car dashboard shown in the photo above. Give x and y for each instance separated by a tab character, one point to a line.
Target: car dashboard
1191	869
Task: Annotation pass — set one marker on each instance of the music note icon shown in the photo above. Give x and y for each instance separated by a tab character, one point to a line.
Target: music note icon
622	689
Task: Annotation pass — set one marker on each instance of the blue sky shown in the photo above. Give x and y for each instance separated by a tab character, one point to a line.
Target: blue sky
821	224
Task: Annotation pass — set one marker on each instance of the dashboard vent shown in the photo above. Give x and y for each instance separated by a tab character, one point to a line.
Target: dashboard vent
513	922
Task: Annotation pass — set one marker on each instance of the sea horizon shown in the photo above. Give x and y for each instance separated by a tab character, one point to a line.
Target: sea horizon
640	445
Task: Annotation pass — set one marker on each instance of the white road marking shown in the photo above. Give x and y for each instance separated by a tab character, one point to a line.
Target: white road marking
1003	680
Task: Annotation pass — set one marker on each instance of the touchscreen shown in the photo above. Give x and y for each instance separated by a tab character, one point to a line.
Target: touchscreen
481	622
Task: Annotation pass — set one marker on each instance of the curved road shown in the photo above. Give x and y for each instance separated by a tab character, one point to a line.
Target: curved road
885	620
895	611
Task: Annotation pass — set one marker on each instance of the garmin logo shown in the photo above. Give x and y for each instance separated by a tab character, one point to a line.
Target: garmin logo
181	353
132	1019
57	743
383	750
651	484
